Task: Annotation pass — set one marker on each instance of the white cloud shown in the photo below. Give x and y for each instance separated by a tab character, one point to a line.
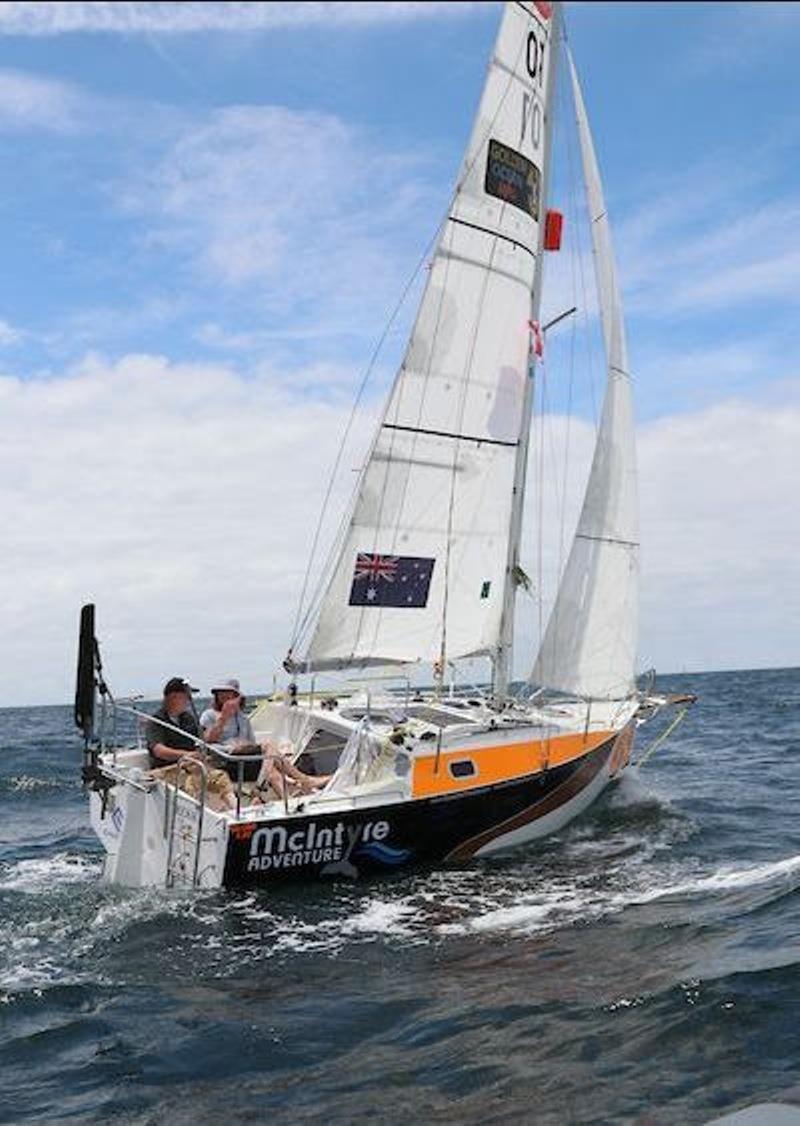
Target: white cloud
720	532
182	498
172	18
8	334
30	102
693	248
721	528
293	210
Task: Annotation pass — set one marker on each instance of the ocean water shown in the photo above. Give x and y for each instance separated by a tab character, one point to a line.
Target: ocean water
643	966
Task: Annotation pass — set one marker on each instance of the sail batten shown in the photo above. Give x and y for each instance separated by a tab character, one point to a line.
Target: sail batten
589	646
433	512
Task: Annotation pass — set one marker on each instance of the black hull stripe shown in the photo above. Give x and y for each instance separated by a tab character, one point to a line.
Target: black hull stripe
578	781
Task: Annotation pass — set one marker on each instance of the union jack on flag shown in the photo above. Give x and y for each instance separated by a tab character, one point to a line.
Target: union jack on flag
375	567
401	581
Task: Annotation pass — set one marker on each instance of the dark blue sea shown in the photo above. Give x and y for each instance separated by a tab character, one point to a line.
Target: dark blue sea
643	966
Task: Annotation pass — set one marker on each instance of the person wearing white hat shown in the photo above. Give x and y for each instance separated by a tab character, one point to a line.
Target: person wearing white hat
225	722
226	725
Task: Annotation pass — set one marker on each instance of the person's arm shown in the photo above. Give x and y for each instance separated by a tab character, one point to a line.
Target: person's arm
211	725
214	733
171	754
162	751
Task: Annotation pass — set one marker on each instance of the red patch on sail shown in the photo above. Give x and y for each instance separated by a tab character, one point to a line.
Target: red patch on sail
545	10
553	222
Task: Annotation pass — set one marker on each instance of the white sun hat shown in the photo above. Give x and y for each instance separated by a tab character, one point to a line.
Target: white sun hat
229	685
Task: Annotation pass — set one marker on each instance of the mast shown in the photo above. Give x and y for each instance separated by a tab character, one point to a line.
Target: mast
503	657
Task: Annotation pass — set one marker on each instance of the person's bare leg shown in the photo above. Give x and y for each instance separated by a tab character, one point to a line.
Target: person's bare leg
307	782
278	768
275	778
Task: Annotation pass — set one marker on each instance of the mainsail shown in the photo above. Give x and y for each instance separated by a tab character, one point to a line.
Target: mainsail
589	647
423	569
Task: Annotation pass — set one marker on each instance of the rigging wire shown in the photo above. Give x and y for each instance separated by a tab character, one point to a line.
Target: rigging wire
359	394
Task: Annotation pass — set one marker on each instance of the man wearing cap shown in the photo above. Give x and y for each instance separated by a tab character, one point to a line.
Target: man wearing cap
167	745
226	725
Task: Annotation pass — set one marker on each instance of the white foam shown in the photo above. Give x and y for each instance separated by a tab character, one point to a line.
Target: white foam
633	789
725	879
24	783
45	946
380	917
524	916
45	875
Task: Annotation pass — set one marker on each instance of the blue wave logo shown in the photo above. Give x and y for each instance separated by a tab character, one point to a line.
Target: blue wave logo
385	854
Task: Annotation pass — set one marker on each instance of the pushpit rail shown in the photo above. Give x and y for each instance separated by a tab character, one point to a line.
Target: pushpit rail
208	748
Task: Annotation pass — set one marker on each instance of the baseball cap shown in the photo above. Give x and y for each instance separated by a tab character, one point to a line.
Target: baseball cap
178	684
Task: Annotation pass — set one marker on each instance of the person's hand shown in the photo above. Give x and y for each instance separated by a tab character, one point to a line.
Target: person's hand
230	707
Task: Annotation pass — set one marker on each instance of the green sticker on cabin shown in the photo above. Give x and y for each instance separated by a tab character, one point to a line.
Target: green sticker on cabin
485	590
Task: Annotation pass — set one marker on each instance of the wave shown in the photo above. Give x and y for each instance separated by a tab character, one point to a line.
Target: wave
26	783
561	906
56	937
48	873
731	879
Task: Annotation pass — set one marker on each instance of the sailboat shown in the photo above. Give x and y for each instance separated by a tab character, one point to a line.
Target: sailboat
426	571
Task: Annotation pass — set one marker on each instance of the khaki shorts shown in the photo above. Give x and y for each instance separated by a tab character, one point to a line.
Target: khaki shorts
218	782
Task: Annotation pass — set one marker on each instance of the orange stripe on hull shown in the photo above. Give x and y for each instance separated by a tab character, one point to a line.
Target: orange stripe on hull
498	763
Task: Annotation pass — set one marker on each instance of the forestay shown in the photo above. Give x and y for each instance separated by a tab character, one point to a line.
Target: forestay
589	647
421	572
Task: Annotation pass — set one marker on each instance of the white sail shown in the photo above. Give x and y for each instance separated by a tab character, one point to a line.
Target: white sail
421	573
589	647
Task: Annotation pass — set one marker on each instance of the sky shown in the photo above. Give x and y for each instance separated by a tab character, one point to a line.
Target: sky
208	214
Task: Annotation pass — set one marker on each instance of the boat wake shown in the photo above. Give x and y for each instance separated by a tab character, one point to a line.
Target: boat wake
60	925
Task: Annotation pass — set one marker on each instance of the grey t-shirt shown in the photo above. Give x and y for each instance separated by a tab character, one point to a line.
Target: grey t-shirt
237	729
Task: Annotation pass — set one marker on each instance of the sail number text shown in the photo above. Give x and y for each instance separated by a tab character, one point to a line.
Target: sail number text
532	115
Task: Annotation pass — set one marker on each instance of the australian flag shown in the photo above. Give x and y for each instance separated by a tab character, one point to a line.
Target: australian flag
402	581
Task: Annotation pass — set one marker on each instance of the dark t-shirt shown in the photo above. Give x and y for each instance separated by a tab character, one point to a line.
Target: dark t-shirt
155	733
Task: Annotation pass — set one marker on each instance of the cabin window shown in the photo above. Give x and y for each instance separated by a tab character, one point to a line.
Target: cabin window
464	768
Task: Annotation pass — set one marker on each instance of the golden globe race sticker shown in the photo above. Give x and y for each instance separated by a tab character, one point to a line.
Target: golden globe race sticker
510	176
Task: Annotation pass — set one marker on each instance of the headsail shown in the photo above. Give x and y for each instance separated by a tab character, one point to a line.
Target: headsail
589	647
422	569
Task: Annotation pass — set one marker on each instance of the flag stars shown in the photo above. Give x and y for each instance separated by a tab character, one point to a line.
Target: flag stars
390	580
